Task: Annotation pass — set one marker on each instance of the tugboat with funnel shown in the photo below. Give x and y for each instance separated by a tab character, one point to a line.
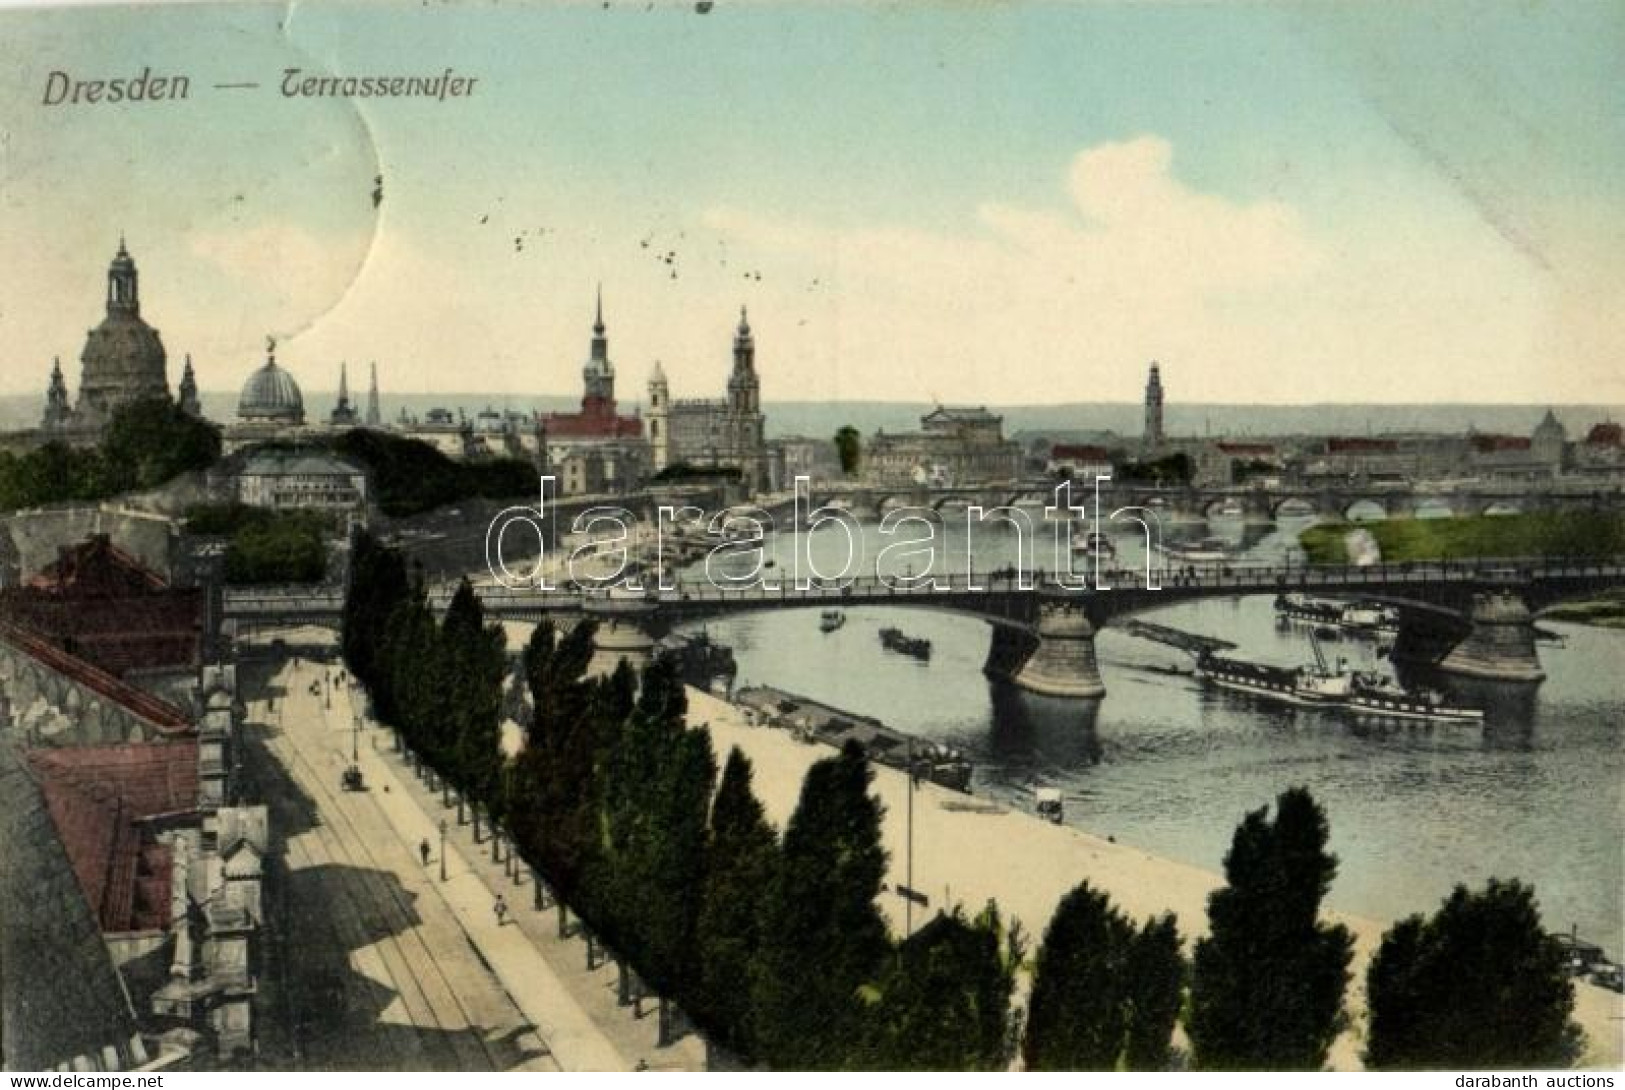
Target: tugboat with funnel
1364	693
1317	684
1382	697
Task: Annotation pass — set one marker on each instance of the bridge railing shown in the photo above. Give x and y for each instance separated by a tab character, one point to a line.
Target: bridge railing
1006	583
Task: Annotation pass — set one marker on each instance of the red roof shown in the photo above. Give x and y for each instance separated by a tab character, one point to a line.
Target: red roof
1256	449
596	420
164	716
1490	444
1605	435
1080	452
96	567
1360	445
107	607
98	798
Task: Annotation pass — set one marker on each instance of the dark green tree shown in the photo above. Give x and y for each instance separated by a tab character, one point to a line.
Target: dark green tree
554	785
943	1002
849	448
150	441
824	940
1156	991
378	583
1267	982
1478	985
475	654
1078	1015
744	858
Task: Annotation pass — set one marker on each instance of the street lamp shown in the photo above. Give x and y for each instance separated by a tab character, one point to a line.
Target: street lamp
442	849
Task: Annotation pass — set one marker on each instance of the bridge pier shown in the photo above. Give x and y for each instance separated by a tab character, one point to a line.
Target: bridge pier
1256	510
623	635
1058	659
1501	644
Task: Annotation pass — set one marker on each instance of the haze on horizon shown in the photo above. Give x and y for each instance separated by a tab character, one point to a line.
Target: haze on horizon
1019	205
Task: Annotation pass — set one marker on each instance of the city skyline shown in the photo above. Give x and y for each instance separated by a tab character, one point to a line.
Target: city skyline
1280	206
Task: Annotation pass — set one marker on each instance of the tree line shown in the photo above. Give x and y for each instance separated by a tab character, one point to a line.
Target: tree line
775	947
146	443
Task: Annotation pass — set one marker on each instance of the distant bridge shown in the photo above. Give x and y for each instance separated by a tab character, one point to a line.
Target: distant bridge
1258	505
1475	614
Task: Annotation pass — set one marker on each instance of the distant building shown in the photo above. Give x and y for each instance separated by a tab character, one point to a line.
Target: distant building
595	449
804	456
1078	461
1153	436
956	445
1538	456
718	433
123	361
301	480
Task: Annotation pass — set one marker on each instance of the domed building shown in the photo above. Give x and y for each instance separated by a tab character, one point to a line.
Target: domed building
123	360
271	396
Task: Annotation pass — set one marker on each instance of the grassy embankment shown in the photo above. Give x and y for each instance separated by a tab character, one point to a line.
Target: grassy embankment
1589	534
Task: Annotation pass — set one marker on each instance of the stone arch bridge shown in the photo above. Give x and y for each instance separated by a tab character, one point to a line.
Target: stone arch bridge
1258	505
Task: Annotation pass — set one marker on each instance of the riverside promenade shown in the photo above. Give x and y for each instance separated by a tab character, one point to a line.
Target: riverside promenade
968	849
525	983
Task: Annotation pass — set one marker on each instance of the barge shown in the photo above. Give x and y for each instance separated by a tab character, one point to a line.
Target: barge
812	721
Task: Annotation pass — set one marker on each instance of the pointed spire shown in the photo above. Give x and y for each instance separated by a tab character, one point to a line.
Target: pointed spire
344	382
744	321
598	320
373	417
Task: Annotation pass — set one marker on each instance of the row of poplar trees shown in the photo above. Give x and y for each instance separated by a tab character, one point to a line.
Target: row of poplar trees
775	947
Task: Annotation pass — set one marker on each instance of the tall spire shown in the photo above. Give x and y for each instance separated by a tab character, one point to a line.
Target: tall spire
344	413
598	375
374	417
186	395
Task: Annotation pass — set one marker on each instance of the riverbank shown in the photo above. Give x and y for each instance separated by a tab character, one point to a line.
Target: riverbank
968	850
1606	610
1558	533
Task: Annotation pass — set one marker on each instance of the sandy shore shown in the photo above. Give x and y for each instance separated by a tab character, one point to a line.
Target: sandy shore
967	850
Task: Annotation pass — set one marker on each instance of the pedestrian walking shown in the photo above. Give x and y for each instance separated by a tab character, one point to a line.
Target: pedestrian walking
423	850
501	910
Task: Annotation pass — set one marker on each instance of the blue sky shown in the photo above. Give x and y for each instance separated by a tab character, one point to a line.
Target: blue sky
977	202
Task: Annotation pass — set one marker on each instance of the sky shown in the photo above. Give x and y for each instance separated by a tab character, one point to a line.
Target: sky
969	202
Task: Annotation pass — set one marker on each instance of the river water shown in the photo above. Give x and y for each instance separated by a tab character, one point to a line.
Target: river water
1537	793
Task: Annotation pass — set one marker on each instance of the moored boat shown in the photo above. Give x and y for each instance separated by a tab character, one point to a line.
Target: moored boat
893	639
1375	695
830	620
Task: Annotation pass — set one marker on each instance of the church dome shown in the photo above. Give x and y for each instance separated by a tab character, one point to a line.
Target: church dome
271	396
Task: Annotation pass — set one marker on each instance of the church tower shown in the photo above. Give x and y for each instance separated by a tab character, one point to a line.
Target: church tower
598	376
58	413
344	415
659	417
374	416
745	424
1153	436
123	357
744	389
186	395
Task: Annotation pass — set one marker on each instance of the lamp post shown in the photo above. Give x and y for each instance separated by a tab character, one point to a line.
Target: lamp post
442	849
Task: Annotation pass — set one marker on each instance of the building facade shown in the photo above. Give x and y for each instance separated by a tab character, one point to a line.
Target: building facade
721	433
956	445
596	449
